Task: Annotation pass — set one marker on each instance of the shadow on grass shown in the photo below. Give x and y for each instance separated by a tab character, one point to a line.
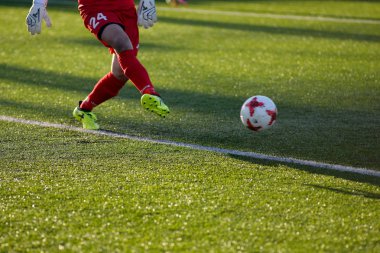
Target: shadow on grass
346	191
355	177
91	41
290	31
42	78
27	109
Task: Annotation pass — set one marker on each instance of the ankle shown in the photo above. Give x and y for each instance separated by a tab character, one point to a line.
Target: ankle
150	91
86	105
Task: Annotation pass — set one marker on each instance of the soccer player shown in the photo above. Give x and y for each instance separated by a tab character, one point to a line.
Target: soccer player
115	24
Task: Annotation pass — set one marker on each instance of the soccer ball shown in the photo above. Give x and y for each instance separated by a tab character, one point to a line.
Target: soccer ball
258	113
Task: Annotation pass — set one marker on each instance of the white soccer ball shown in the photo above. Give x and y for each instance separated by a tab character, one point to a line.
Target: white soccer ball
258	113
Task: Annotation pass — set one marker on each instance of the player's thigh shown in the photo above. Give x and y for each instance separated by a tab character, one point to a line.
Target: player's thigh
115	36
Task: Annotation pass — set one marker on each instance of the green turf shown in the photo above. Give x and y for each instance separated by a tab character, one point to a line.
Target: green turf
73	192
76	192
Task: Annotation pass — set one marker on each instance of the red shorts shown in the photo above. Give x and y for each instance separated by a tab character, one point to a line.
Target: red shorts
96	21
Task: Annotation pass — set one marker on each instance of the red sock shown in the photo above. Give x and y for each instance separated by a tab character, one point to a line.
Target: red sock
106	88
136	72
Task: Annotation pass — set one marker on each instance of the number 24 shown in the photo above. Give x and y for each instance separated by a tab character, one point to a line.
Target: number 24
94	22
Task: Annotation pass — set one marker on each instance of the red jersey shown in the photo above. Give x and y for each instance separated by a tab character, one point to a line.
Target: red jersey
105	5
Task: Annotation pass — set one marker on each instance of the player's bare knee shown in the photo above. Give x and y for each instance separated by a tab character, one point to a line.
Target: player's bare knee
121	45
119	75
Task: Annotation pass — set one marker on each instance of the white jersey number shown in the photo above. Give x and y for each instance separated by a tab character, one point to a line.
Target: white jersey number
94	22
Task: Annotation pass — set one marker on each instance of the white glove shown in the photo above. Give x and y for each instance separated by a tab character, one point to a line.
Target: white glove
36	13
147	13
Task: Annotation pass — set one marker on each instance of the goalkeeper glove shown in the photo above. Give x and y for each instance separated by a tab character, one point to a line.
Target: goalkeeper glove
36	13
146	13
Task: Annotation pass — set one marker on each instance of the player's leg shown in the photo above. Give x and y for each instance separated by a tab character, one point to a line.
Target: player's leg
115	36
109	85
105	89
118	39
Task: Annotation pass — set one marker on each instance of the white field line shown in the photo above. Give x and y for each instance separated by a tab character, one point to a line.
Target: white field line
272	16
198	147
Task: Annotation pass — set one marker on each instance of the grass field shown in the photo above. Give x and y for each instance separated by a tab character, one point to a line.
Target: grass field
77	192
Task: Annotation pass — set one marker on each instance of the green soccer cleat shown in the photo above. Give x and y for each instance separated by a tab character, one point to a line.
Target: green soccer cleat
154	104
88	119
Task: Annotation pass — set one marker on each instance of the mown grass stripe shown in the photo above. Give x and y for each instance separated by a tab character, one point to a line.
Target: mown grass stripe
273	16
290	160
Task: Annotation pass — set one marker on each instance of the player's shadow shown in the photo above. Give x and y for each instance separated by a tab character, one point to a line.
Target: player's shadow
289	31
